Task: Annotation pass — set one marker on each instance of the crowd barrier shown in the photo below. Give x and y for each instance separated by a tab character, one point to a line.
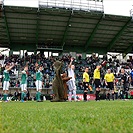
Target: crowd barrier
31	90
49	91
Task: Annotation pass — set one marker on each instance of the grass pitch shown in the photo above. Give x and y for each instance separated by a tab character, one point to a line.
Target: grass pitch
67	117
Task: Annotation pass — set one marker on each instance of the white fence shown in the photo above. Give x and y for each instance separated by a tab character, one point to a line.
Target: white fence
86	5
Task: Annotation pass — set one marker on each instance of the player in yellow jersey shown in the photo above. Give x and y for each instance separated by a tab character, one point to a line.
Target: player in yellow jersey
97	82
86	80
109	81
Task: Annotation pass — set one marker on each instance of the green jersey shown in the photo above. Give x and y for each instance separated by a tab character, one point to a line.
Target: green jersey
39	75
24	77
6	76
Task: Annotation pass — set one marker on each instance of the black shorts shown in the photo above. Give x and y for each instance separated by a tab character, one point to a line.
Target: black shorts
132	82
97	83
110	85
126	86
86	87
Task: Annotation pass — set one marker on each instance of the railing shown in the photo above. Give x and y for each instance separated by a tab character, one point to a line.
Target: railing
56	48
86	5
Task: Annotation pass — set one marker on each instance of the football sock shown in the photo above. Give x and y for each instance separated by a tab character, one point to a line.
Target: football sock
5	97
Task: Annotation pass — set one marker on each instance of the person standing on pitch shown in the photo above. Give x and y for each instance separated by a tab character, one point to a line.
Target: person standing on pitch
24	84
131	77
39	77
6	79
125	84
71	82
109	81
86	80
97	82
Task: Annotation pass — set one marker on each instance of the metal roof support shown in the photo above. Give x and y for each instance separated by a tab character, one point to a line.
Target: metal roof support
66	30
37	27
129	49
6	25
112	43
92	34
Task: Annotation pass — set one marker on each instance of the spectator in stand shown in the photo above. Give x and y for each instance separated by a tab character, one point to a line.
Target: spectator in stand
16	95
47	85
28	95
18	83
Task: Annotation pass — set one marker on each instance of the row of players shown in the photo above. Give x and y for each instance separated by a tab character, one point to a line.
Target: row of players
6	79
109	81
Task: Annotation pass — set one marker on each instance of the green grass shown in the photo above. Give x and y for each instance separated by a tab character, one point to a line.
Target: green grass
67	117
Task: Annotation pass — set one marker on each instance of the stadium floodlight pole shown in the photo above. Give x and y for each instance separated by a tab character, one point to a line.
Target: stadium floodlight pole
66	30
93	33
112	43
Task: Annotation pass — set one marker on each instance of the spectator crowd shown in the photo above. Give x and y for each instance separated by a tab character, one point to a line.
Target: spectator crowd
48	71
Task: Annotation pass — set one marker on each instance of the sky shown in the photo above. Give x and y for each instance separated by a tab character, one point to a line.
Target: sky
117	7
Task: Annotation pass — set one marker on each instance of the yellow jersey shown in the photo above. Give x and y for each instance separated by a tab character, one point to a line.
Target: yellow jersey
109	77
86	77
96	74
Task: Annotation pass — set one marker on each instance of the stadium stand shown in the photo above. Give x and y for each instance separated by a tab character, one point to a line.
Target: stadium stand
57	28
48	72
60	29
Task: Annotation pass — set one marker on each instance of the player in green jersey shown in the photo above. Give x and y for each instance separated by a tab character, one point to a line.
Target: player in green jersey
24	83
39	77
6	79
